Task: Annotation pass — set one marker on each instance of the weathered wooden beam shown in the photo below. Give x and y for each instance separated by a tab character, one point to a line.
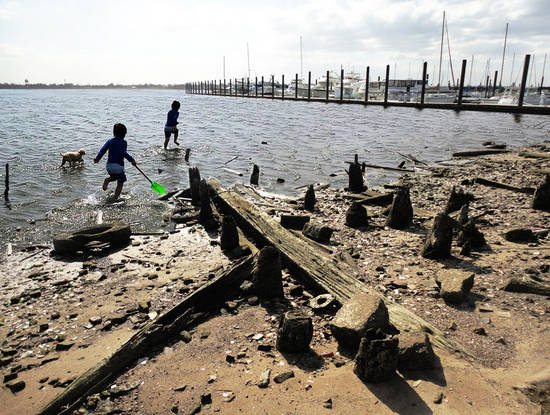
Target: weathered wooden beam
314	267
473	153
382	199
534	155
188	312
491	183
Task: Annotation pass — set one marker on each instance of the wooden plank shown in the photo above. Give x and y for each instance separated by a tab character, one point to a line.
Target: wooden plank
184	315
474	153
323	272
534	155
491	183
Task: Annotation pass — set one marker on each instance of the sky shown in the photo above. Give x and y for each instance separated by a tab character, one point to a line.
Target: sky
177	41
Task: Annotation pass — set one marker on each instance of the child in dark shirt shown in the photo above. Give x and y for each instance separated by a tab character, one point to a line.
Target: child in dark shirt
171	124
115	160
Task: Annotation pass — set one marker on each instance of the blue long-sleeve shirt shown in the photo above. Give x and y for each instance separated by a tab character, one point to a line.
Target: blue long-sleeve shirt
172	118
117	151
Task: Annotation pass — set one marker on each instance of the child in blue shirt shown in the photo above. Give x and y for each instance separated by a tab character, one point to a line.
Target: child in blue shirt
115	160
171	124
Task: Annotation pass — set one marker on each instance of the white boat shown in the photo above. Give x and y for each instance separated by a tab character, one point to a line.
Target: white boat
319	90
350	80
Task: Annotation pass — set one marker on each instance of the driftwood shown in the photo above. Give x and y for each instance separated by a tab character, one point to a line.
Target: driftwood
490	183
379	199
527	284
183	316
473	153
238	173
534	155
374	166
313	266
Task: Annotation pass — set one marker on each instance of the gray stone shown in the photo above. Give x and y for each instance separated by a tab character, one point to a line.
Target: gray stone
295	332
185	336
357	216
63	346
520	235
362	312
264	379
415	351
455	285
281	377
376	360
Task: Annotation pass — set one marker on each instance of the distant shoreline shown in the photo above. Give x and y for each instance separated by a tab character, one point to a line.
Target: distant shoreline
76	86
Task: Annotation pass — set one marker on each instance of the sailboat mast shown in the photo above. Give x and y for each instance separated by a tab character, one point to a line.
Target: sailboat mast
248	58
301	61
503	54
441	51
224	69
449	50
543	68
471	67
512	71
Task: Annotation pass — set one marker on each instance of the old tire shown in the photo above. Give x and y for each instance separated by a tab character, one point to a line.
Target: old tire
116	234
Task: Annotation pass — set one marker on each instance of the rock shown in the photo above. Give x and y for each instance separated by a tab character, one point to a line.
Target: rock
195	409
455	285
185	336
43	326
229	239
356	216
264	379
180	388
10	376
118	318
280	378
309	199
481	331
16	386
123	389
264	347
415	351
296	291
362	312
541	199
401	211
230	358
520	235
439	239
206	398
174	409
95	320
246	287
253	300
267	273
294	221
457	199
63	346
8	351
376	360
317	232
144	306
327	404
438	398
255	176
295	332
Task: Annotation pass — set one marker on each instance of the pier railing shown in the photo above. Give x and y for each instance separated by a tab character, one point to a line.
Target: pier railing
333	92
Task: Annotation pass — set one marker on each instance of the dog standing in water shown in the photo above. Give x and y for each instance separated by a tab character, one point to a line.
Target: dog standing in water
72	157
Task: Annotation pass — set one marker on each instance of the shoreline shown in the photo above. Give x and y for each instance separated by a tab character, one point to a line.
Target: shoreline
49	333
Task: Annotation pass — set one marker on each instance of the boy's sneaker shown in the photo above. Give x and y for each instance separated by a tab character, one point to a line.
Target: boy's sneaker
105	184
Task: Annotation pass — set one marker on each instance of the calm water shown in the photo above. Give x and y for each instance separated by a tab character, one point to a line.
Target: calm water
305	144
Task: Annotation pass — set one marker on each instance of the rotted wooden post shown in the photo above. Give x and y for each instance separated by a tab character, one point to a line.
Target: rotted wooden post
495	84
283	86
424	71
524	80
387	84
224	88
262	86
7	182
247	87
230	87
242	86
272	86
461	86
341	84
326	91
296	91
256	86
309	86
367	85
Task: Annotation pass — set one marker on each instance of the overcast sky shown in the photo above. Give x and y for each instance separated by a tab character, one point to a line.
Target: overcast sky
174	41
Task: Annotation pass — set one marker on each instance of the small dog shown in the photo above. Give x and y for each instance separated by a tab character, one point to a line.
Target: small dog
72	157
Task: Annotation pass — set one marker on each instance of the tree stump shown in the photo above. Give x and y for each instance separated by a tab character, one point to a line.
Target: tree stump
317	232
194	184
229	239
376	360
541	199
267	273
439	239
401	211
457	199
355	176
357	216
294	221
255	176
295	332
309	199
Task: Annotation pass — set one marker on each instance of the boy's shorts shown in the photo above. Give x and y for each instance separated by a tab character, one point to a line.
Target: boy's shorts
116	171
170	130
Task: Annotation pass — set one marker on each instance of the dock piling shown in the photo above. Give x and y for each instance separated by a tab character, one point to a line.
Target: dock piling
495	84
283	86
262	86
296	89
256	87
272	86
461	87
367	85
341	85
309	86
423	90
7	182
387	84
524	79
326	91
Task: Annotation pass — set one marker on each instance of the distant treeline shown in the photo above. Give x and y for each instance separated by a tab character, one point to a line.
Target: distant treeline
76	86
